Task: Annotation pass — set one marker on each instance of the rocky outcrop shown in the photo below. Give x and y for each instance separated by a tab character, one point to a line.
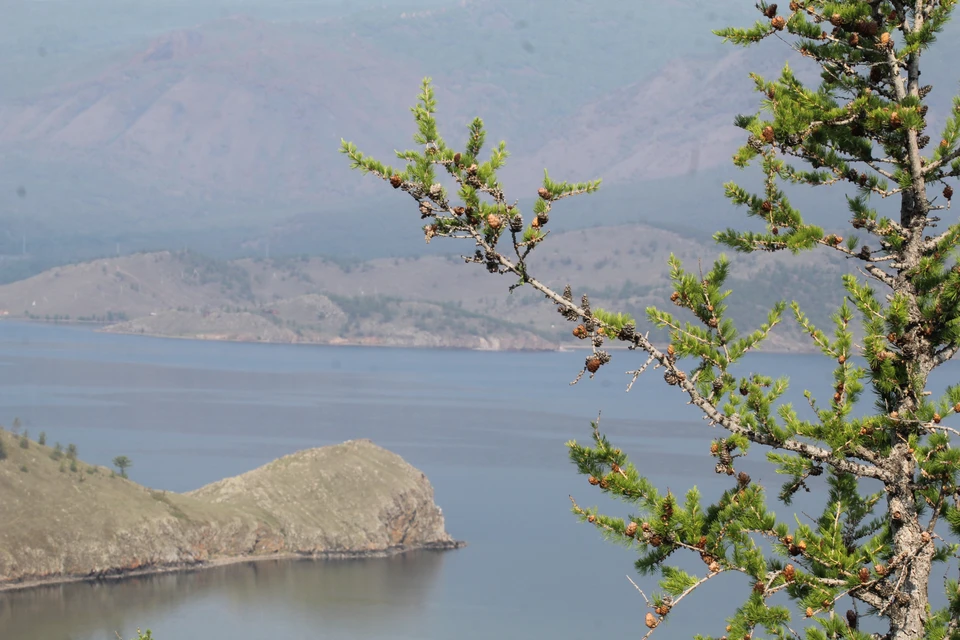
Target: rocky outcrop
349	499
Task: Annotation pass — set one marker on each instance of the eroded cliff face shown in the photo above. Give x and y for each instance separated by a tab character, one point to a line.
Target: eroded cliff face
349	499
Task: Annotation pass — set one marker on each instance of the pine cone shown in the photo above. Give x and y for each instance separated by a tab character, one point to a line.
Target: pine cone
456	158
631	530
767	134
923	92
923	110
948	192
852	619
836	20
885	41
651	620
867	28
864	575
771	11
593	480
794	5
593	364
778	22
516	223
853	39
923	141
767	206
789	573
895	120
494	221
580	332
543	218
396	181
543	193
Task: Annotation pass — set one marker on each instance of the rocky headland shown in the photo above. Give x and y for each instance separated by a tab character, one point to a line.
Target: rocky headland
62	520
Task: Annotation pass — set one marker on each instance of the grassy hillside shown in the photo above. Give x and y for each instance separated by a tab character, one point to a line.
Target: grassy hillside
425	301
61	518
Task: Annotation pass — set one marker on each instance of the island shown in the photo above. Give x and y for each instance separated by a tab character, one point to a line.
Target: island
62	520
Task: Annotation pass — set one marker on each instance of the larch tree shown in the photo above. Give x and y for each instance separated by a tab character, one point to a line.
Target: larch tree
891	503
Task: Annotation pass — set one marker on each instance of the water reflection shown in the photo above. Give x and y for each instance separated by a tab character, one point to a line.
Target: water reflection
334	595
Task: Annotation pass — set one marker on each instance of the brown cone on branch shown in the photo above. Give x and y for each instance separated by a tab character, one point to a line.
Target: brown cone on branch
543	193
789	573
852	619
395	181
767	134
771	11
948	192
593	364
778	22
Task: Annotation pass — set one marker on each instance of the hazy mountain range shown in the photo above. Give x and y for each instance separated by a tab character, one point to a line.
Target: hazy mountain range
214	124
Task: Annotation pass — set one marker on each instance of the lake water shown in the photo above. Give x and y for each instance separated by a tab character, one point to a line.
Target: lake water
488	429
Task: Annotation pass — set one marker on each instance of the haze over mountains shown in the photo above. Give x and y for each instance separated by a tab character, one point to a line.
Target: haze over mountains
217	123
213	125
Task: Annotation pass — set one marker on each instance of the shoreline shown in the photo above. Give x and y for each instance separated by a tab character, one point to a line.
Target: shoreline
118	575
578	346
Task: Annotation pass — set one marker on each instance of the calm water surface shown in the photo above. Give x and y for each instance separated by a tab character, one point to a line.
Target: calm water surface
488	429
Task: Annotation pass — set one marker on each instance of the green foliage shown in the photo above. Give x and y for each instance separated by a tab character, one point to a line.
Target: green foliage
24	441
885	478
42	438
122	463
3	448
57	452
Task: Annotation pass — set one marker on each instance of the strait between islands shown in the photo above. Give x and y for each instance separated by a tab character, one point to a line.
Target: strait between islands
62	520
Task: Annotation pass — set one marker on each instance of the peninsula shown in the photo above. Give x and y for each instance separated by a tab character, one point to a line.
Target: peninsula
62	520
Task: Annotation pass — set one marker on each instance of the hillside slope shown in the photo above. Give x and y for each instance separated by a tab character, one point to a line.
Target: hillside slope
431	301
63	519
